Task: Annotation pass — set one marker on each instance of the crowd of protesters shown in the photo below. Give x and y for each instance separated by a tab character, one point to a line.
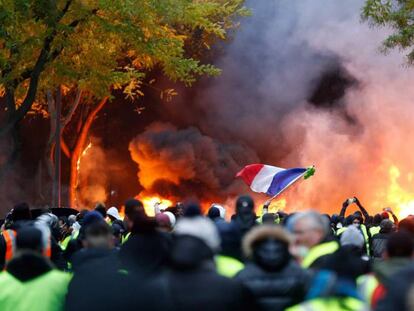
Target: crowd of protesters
184	260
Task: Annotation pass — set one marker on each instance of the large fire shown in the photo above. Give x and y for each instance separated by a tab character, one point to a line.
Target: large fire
397	197
151	202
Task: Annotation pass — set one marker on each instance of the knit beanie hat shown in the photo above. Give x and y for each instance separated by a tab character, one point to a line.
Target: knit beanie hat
201	228
352	236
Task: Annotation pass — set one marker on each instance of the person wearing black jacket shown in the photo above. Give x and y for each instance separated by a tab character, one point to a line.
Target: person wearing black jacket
192	282
275	280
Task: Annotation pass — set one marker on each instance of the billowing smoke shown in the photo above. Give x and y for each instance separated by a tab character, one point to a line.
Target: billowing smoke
303	83
93	177
184	163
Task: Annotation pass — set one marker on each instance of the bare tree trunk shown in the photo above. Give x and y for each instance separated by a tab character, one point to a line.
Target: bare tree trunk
12	139
50	149
78	149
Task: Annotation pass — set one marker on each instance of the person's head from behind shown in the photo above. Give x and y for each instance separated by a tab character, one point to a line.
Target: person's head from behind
197	235
245	212
132	208
98	235
101	208
377	219
21	212
213	213
29	239
407	225
267	246
270	218
52	222
310	228
387	226
164	223
352	238
399	244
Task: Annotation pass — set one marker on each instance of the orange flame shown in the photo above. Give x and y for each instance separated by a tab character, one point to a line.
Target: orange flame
397	196
151	202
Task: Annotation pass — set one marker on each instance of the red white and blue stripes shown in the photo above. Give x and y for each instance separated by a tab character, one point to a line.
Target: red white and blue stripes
268	179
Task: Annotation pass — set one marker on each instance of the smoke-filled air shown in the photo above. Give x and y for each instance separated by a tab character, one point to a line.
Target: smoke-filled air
303	83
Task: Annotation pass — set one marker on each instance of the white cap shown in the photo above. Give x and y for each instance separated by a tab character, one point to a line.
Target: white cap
113	211
172	218
221	209
201	228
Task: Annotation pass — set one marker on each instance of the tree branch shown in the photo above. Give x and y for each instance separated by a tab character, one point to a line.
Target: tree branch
65	148
35	75
72	110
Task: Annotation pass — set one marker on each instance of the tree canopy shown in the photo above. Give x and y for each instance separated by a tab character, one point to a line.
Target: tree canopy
98	45
397	15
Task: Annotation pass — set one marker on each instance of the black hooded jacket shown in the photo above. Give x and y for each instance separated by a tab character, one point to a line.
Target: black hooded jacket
193	283
275	280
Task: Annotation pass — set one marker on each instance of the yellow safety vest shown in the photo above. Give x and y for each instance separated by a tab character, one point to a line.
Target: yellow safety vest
374	230
330	304
366	238
319	251
44	293
228	266
65	242
366	285
341	230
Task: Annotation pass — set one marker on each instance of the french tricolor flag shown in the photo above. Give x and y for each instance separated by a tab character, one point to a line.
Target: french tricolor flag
268	179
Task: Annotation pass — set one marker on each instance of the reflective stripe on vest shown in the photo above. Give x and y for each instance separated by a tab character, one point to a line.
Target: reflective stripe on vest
125	237
10	239
366	238
366	286
374	230
228	266
330	304
319	251
341	230
64	244
47	252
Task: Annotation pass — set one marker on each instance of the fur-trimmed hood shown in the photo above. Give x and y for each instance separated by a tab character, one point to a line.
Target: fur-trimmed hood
261	233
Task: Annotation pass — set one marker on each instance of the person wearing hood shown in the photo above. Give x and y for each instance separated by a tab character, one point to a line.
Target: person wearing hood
192	280
231	234
271	274
145	254
355	221
360	218
30	280
230	259
398	255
